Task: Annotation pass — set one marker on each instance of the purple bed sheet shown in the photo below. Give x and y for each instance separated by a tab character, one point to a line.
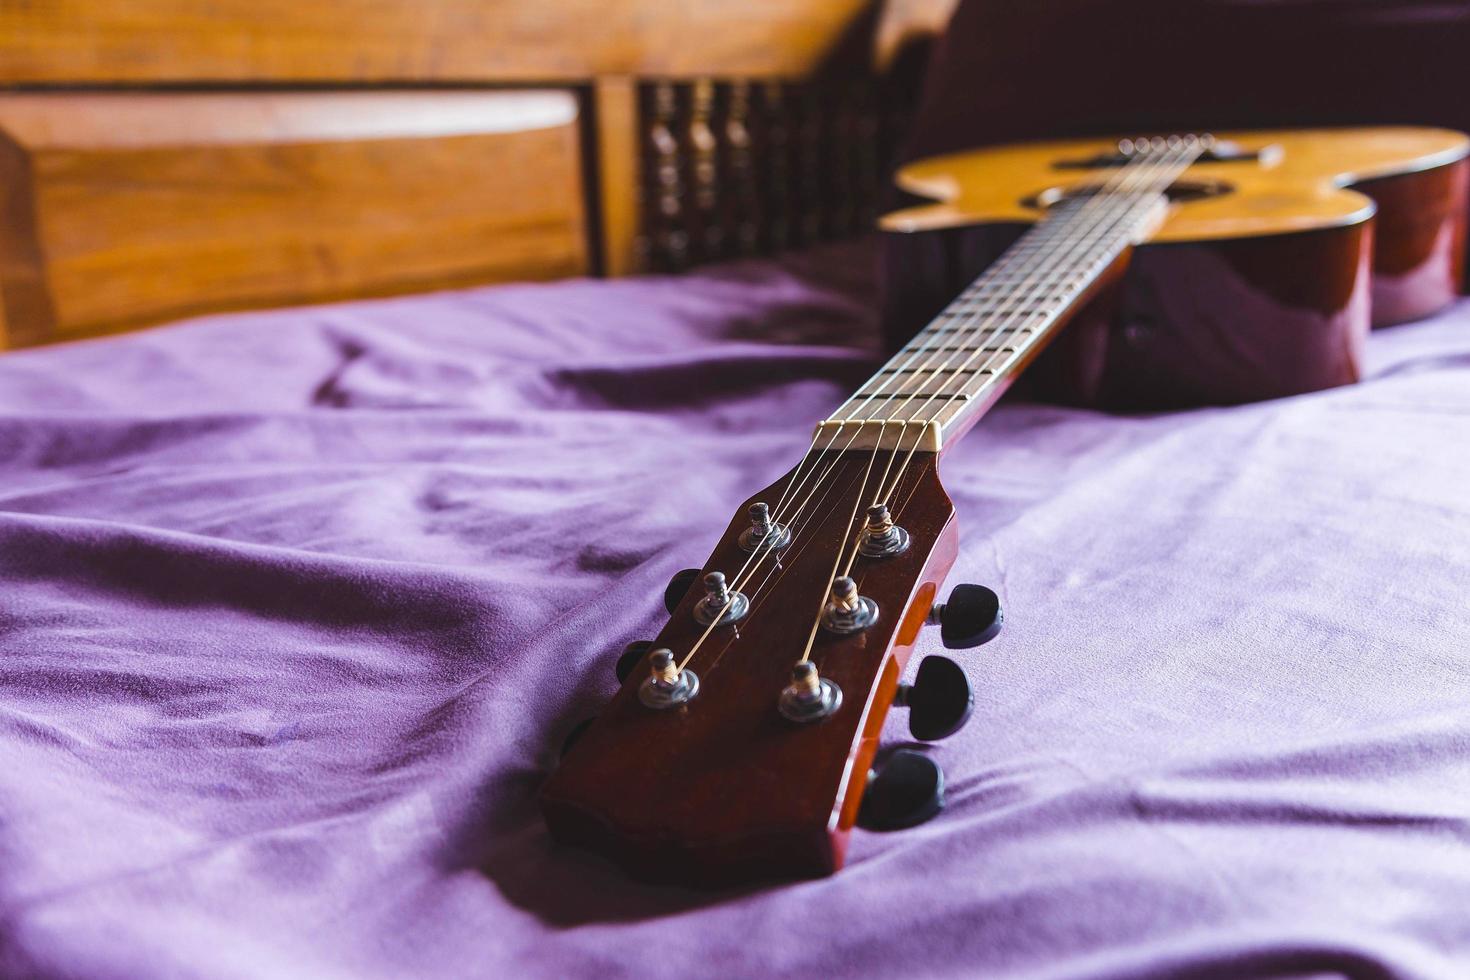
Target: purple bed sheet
296	606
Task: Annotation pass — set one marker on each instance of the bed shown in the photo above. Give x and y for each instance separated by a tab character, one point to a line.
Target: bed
299	604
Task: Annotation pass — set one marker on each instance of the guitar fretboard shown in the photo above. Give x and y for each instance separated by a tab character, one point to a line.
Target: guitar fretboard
957	366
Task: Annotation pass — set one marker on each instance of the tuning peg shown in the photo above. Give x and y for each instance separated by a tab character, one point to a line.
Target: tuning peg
809	697
906	792
668	685
881	537
972	616
679	587
763	533
630	657
939	700
720	603
575	734
846	611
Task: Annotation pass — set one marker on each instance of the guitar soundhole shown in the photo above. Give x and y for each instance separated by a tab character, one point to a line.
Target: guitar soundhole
1181	191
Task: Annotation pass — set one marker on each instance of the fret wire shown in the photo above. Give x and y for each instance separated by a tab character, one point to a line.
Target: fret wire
941	323
997	286
947	370
998	293
932	350
981	344
948	396
936	332
989	301
1008	276
954	311
999	283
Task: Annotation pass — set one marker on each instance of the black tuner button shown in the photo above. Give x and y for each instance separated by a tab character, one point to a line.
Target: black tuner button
679	587
908	791
631	656
971	617
575	734
939	700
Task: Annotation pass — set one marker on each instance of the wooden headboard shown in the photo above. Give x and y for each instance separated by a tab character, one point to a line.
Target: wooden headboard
161	158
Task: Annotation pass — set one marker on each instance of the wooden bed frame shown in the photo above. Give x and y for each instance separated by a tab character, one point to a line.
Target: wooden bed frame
164	158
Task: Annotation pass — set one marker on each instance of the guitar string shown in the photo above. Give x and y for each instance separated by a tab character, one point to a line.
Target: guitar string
883	424
760	595
751	564
1002	265
794	553
1087	238
1133	208
920	379
996	323
904	367
981	319
794	485
1127	209
746	572
777	513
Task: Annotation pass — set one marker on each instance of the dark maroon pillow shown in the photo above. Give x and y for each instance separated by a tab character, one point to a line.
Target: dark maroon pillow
1024	69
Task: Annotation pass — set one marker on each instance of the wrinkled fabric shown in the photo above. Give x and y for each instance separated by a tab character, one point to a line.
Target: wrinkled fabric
296	606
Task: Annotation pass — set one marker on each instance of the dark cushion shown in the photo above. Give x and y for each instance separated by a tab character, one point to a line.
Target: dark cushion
1010	70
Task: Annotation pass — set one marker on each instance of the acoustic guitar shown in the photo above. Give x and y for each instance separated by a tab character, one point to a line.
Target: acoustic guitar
743	742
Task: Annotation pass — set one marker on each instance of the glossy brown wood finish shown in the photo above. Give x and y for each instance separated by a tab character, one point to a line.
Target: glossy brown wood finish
1419	241
725	789
1217	323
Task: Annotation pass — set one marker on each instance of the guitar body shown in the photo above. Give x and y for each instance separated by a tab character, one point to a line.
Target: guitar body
1262	281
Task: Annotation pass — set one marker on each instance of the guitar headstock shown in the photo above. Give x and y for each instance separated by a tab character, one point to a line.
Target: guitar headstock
739	750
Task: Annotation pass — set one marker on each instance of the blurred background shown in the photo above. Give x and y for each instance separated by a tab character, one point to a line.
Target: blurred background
164	158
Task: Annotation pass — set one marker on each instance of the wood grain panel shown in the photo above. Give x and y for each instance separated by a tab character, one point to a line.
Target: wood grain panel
385	40
616	102
129	209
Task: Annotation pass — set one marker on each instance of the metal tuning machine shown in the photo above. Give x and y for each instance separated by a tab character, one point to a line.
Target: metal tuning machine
809	697
846	611
764	534
720	605
881	537
666	685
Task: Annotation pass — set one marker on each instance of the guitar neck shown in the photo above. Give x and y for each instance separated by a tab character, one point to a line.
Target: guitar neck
954	369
